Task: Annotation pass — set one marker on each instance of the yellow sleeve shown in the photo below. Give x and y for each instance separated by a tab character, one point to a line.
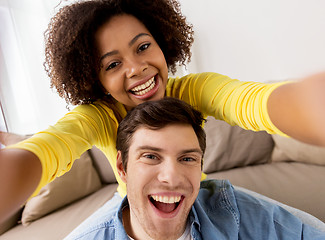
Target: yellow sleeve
59	145
238	103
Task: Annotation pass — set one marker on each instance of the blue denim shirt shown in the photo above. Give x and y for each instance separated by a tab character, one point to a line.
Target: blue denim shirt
221	212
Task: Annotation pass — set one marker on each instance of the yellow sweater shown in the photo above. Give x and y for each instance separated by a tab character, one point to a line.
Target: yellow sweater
238	103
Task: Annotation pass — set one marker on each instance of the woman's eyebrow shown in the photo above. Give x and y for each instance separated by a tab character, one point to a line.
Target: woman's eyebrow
137	37
130	44
108	54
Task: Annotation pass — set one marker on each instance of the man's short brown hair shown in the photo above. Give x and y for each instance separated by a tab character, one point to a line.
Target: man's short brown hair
156	115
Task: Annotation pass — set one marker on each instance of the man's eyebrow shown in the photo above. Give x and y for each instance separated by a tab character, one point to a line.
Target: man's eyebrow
148	147
130	44
152	148
193	150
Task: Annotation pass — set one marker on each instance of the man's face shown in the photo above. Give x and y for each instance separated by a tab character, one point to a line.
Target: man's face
163	180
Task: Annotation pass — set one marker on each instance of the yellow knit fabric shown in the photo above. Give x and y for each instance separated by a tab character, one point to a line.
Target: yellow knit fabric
238	103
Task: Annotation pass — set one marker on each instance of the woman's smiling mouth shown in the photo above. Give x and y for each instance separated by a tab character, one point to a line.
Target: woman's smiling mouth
147	89
144	88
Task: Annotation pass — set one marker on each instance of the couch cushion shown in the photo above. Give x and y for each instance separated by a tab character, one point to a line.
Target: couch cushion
61	222
102	166
296	184
231	146
80	181
305	217
290	149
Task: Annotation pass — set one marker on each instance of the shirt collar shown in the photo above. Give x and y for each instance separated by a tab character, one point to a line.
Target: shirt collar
120	231
193	218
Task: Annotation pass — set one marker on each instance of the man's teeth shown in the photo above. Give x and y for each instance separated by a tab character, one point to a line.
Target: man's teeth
144	88
166	199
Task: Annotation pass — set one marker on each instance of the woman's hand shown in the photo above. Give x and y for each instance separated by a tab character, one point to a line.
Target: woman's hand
298	109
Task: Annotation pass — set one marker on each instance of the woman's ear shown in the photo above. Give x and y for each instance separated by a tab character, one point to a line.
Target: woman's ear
119	166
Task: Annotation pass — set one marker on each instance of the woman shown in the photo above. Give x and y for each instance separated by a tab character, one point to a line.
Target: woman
109	56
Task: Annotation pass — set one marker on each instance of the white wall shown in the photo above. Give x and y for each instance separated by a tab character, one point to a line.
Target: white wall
257	40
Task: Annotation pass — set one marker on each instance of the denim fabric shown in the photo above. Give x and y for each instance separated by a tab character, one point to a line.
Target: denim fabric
221	212
107	211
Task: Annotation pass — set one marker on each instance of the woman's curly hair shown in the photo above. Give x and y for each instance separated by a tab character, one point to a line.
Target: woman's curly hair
71	55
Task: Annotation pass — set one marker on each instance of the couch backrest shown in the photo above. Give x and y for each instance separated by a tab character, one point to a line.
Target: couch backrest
231	146
289	149
227	147
102	166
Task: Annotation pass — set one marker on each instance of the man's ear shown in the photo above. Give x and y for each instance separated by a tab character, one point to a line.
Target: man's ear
119	166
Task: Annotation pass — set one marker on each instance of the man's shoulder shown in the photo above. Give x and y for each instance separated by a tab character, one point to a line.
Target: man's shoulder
214	187
236	206
215	210
104	230
107	226
218	197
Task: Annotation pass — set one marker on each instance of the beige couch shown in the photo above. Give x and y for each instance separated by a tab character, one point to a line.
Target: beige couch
280	168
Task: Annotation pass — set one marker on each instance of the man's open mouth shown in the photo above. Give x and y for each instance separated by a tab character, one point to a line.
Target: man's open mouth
165	204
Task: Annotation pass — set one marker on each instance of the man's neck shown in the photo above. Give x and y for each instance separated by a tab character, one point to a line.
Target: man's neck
126	221
139	234
135	230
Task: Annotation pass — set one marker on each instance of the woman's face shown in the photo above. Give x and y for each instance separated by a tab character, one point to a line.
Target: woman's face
133	67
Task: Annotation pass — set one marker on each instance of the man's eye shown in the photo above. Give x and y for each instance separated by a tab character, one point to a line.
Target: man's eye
112	65
188	159
150	159
144	47
150	156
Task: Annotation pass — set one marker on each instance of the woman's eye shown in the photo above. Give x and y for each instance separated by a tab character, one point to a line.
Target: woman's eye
112	65
143	47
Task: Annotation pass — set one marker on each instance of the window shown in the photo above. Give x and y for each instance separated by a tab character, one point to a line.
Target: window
28	103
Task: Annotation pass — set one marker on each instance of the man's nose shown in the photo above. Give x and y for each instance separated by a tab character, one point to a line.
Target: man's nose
169	173
135	66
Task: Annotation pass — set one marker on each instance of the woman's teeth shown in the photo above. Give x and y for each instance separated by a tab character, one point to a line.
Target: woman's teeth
144	88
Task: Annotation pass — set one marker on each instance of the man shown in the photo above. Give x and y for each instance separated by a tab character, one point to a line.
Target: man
160	155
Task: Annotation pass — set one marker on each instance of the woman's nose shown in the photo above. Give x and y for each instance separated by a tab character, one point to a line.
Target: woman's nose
135	67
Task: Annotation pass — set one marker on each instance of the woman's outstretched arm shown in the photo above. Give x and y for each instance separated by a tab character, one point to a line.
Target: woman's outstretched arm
298	109
20	174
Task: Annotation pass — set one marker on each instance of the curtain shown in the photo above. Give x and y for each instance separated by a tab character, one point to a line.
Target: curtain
27	100
3	122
